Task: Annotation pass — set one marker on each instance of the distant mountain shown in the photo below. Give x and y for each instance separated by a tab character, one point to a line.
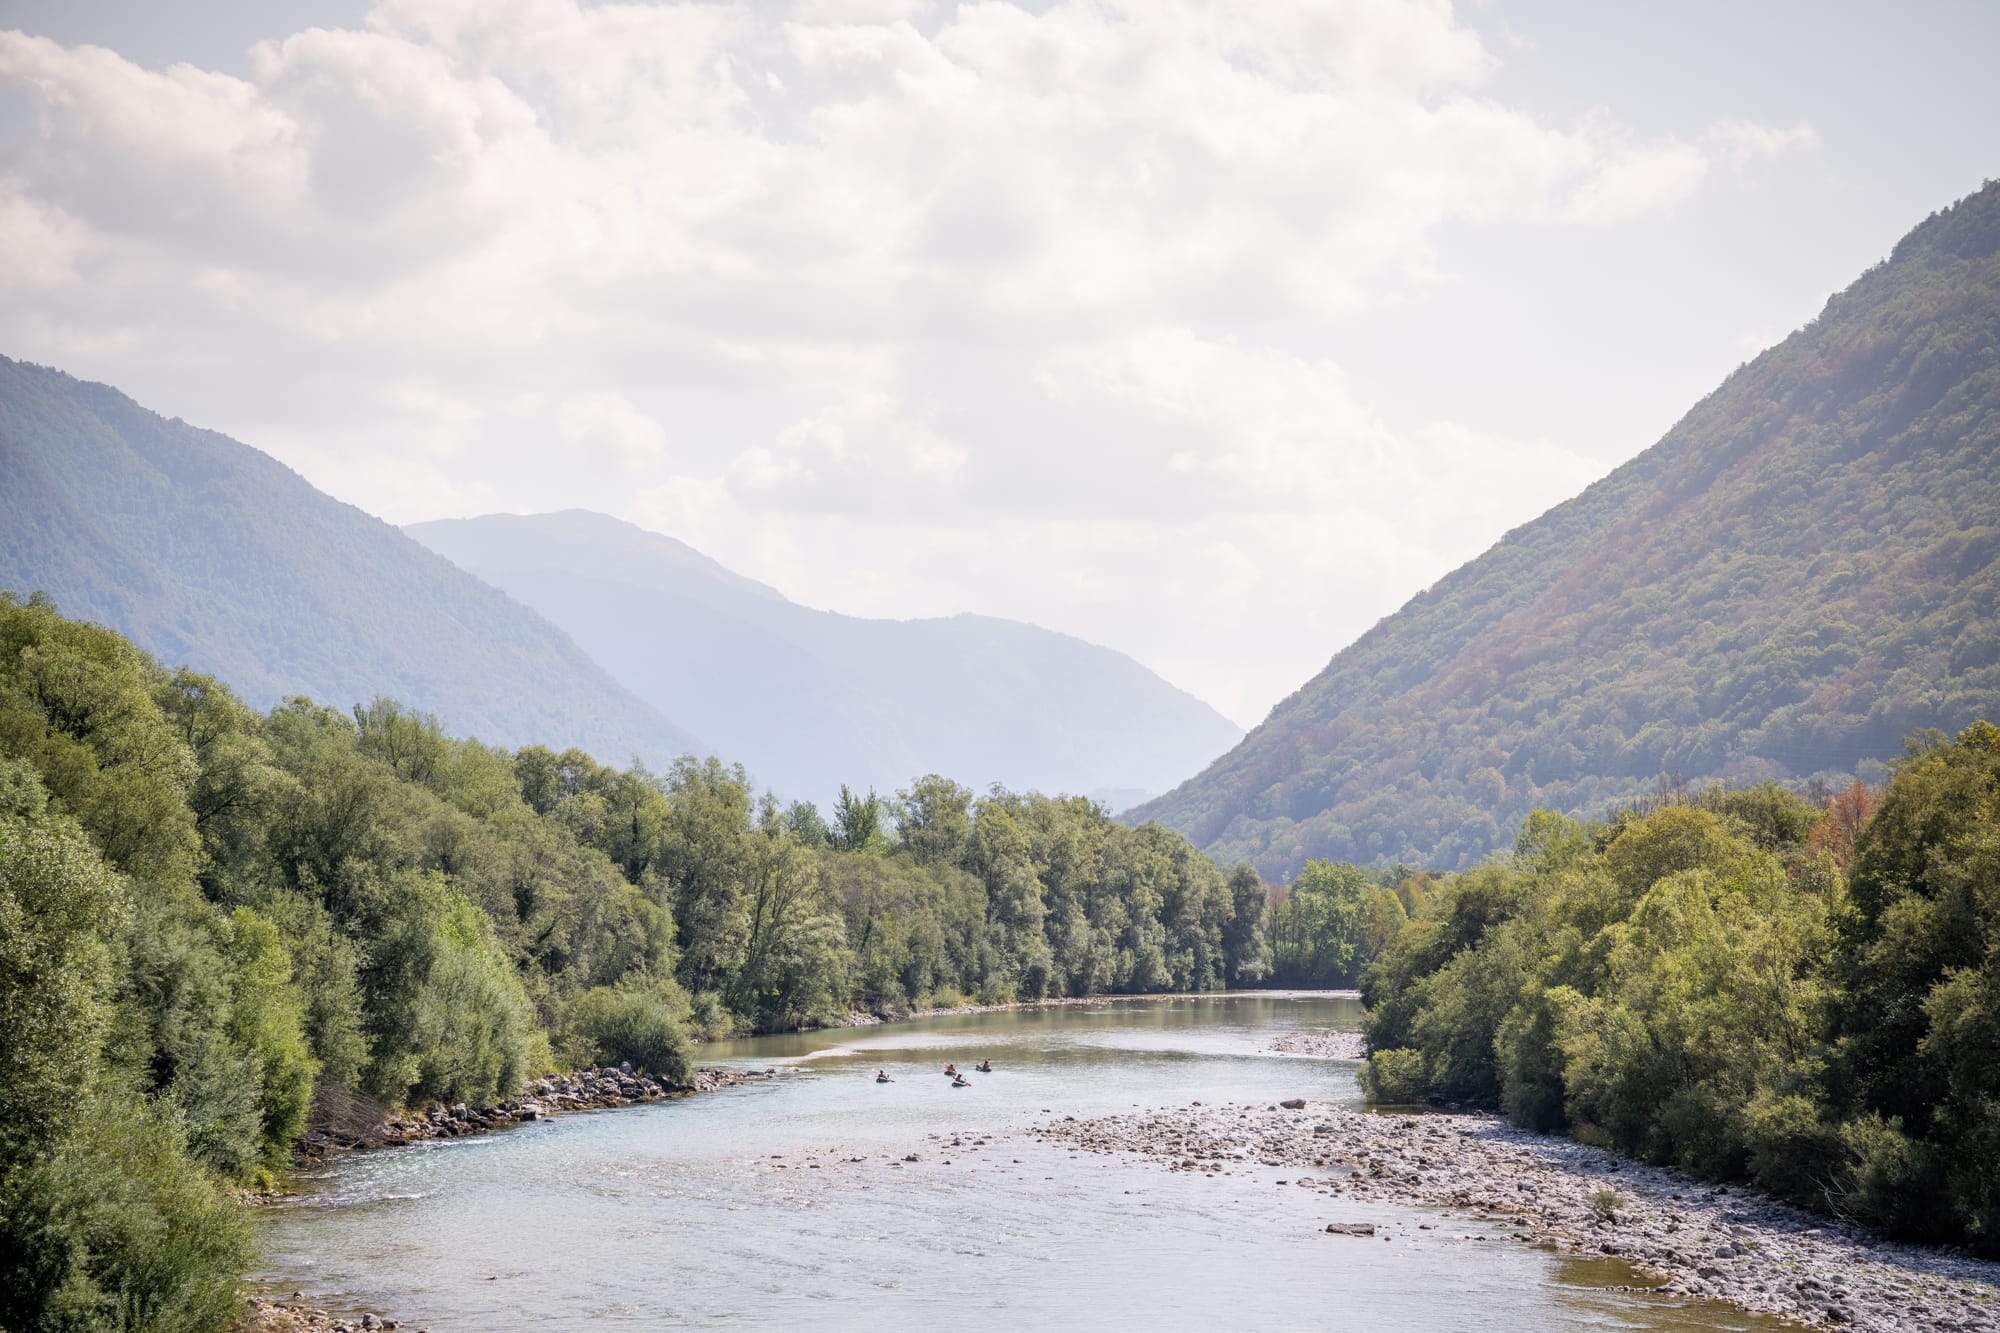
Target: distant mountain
1803	570
809	699
206	552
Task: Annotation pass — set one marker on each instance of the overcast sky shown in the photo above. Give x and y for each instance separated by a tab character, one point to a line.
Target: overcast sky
1210	332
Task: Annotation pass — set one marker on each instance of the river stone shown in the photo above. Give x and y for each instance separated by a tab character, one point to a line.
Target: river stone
1350	1228
1293	1103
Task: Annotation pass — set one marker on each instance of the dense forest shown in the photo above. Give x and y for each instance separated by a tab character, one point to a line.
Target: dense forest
207	552
208	913
1803	571
1741	984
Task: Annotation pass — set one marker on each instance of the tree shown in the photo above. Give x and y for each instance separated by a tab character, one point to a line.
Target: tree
60	910
1243	939
1323	925
857	821
934	819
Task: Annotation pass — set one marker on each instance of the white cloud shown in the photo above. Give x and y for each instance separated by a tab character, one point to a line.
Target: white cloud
605	427
906	307
1743	141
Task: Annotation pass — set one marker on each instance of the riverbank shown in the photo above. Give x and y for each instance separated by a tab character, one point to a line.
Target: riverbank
1700	1240
594	1089
262	1314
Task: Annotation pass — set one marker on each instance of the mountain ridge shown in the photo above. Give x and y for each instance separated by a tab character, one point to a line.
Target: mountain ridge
209	552
1817	533
810	699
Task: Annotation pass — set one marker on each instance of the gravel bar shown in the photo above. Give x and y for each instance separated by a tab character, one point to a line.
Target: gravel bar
1698	1240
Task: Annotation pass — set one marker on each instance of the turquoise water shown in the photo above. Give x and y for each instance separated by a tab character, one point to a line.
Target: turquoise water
786	1203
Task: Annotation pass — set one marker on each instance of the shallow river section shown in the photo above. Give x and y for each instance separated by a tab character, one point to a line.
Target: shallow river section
788	1203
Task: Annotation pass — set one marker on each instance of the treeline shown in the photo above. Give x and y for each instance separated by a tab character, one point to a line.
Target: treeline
1331	922
1744	985
207	915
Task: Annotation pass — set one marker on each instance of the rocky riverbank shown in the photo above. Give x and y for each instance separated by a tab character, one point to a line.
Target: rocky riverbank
1700	1240
265	1315
586	1090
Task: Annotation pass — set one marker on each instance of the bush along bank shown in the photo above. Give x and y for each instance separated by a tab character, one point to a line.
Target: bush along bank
1744	985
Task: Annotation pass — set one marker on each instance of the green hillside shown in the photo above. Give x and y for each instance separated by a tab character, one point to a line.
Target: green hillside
206	552
1805	569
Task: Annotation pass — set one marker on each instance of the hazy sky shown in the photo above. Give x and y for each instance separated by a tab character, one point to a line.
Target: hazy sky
1211	332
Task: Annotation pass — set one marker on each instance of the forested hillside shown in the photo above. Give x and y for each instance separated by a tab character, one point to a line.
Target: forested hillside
206	552
210	915
807	700
1803	570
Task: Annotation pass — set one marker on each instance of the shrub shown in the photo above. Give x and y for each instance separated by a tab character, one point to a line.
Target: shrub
118	1228
645	1023
1396	1076
1886	1183
709	1018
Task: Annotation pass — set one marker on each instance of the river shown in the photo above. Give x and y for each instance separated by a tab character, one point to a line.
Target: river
787	1203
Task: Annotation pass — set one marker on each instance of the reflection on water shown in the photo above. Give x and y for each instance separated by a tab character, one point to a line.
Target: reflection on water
778	1203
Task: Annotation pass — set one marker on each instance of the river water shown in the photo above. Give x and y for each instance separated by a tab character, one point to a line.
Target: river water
787	1203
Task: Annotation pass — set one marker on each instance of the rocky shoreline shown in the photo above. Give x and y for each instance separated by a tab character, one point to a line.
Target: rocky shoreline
265	1315
594	1089
1714	1242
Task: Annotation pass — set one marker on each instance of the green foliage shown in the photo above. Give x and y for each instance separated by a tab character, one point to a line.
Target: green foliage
326	967
1245	942
1698	983
115	1228
644	1022
76	702
207	914
210	1025
934	819
106	1220
1396	1076
59	907
1321	933
857	822
1805	569
449	1018
1918	1021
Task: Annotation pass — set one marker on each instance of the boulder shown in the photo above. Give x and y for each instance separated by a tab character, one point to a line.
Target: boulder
1293	1103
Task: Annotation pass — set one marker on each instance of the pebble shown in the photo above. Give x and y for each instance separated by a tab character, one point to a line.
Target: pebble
1326	1044
1698	1240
